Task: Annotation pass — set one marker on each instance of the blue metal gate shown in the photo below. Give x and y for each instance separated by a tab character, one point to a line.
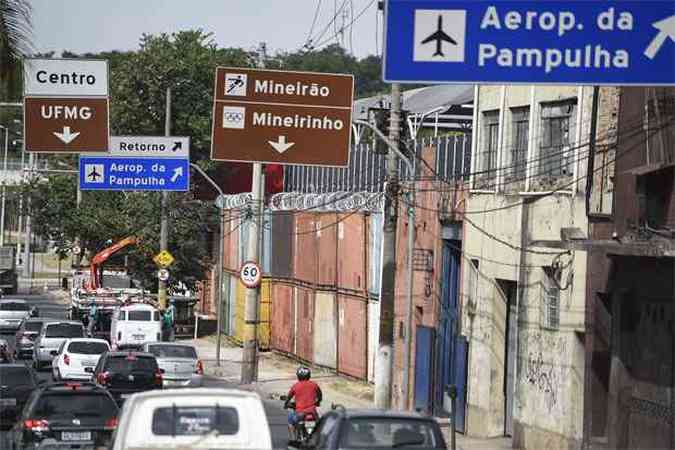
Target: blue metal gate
424	341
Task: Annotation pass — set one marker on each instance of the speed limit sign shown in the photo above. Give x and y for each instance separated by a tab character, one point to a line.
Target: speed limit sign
250	274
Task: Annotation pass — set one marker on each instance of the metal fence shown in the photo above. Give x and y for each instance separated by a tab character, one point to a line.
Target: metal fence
366	171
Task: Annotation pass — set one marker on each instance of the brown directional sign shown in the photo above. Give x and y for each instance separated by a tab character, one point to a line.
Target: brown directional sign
78	125
279	117
65	105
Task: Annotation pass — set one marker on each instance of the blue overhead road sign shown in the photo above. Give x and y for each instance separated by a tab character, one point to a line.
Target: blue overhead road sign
134	174
592	42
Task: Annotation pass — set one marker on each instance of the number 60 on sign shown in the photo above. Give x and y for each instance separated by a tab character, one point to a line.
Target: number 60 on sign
250	274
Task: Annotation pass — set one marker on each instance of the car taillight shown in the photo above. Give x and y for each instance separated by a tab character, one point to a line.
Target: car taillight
66	360
200	367
158	377
36	425
111	423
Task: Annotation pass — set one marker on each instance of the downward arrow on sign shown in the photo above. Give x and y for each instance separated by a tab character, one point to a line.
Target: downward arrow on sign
67	137
281	145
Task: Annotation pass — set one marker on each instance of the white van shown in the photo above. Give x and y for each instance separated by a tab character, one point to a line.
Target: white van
134	324
201	418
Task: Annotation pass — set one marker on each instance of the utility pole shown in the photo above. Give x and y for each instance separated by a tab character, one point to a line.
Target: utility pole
26	255
164	224
4	189
249	366
385	353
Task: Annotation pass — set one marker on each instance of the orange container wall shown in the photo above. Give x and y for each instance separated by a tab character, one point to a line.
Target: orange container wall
325	330
352	336
352	252
305	254
283	318
304	306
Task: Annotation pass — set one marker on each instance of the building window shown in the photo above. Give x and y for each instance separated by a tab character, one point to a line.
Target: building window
556	155
516	156
487	152
551	298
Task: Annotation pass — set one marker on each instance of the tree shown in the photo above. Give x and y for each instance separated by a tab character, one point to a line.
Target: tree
15	29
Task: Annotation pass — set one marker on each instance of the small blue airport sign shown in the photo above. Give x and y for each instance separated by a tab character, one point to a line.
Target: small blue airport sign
590	42
105	173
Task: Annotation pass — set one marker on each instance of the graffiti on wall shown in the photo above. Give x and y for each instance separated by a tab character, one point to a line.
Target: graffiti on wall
545	375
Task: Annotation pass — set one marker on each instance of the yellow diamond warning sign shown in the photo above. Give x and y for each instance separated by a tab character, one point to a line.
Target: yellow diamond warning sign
164	259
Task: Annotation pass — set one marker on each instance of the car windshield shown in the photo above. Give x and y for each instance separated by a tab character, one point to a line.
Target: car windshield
141	316
14	306
194	421
131	363
172	351
394	432
15	376
87	348
64	330
33	326
73	403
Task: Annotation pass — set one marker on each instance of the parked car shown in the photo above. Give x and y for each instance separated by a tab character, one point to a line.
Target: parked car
125	373
193	418
342	428
180	363
134	324
77	414
50	339
75	356
12	312
17	381
24	338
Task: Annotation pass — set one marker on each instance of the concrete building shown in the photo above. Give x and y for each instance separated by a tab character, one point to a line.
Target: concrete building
523	306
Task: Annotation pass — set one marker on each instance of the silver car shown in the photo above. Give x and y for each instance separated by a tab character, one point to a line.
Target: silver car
12	312
53	334
180	365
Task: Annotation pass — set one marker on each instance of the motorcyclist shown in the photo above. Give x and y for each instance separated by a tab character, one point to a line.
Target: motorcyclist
307	395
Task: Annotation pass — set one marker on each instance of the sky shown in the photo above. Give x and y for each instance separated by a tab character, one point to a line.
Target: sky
102	25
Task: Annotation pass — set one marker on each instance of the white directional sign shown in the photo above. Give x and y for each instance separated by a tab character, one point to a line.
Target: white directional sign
66	77
151	146
250	274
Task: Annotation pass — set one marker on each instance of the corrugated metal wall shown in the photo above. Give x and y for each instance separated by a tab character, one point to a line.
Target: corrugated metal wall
352	252
306	249
325	330
352	323
264	314
373	336
304	302
326	235
283	224
283	329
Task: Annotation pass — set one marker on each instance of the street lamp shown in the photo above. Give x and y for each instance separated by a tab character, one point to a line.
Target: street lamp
221	251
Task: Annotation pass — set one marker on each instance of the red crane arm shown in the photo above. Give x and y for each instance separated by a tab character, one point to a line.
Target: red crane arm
102	256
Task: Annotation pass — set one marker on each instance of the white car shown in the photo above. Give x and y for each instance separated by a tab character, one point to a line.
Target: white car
134	324
12	312
200	418
75	356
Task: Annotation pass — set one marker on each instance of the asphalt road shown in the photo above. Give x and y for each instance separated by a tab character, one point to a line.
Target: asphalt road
276	416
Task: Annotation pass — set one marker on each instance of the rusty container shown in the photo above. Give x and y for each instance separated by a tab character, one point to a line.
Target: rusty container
352	336
306	251
283	319
352	251
304	319
325	330
283	227
326	235
231	255
263	314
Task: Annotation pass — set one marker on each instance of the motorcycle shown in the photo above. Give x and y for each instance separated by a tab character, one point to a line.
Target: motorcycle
304	424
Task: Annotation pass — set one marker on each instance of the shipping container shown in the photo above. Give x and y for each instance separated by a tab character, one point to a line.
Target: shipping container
375	256
282	244
352	252
352	336
283	318
263	314
325	330
373	336
232	308
326	235
231	255
304	307
306	252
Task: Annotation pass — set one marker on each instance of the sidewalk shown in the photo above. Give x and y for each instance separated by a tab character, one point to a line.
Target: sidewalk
276	374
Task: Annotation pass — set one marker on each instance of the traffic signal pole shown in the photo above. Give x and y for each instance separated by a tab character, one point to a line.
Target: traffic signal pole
164	219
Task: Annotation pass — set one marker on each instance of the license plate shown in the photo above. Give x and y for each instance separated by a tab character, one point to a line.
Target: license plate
7	402
139	337
76	435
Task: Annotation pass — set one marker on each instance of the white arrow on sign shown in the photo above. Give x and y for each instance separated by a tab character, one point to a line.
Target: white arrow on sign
177	172
67	137
281	145
666	29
